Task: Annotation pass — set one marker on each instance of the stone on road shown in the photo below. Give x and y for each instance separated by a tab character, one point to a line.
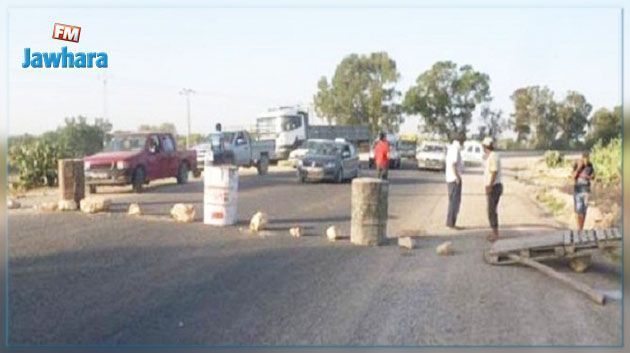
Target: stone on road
446	248
95	204
107	278
183	213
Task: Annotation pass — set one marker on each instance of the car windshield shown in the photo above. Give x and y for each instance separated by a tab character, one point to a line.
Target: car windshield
433	148
323	148
290	122
126	143
310	144
406	145
229	137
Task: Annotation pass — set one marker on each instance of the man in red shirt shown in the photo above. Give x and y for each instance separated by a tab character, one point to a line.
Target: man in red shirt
381	156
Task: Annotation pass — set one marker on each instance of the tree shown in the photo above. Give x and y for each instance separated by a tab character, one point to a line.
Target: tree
605	125
361	91
492	121
104	124
77	138
535	116
573	115
446	96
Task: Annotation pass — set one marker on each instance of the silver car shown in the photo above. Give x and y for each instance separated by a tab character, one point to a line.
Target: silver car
329	160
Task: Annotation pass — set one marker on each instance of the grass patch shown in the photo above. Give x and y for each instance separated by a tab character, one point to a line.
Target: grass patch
554	205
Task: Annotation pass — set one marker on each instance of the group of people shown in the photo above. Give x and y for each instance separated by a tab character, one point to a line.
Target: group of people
583	174
454	169
492	182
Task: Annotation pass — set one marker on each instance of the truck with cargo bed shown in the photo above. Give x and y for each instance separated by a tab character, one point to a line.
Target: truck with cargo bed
238	148
289	127
137	159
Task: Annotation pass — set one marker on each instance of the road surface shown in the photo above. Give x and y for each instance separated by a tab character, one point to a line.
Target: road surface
112	279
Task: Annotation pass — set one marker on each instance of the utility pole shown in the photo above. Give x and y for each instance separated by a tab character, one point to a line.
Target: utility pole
104	77
187	92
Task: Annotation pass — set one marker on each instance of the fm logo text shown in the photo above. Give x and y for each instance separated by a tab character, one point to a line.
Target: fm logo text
66	32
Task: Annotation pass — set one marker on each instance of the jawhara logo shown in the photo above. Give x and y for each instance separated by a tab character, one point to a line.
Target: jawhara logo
64	58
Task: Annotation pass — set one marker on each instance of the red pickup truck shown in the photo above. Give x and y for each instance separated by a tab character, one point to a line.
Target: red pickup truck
138	158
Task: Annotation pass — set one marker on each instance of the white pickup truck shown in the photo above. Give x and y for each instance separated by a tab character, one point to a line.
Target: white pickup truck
237	148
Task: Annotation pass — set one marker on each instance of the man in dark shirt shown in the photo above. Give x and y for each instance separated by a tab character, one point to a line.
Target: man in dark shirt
583	173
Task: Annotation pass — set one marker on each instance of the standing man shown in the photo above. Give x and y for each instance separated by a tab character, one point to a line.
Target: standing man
583	173
453	171
494	188
381	156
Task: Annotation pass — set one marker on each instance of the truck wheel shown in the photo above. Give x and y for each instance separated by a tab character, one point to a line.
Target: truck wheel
263	165
182	173
138	180
92	189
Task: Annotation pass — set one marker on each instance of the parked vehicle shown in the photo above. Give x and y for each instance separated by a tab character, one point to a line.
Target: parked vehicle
289	127
137	159
237	148
472	153
395	161
407	149
329	160
431	155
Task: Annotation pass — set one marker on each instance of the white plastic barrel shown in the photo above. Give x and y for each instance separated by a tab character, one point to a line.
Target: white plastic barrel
220	195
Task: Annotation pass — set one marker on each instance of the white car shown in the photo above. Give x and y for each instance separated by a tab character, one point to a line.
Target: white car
431	155
472	153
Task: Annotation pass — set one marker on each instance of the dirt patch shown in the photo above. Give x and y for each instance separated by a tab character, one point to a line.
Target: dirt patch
553	190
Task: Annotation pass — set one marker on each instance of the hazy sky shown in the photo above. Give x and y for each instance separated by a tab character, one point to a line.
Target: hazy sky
243	61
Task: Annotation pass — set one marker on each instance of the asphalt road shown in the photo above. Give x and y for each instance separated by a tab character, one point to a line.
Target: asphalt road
112	279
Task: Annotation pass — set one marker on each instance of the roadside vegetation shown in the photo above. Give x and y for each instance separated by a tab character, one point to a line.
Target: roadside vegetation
550	178
553	158
33	159
606	159
445	99
553	204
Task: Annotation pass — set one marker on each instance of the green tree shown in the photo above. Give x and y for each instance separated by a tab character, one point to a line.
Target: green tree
446	96
605	125
573	115
77	138
362	91
535	116
104	125
492	122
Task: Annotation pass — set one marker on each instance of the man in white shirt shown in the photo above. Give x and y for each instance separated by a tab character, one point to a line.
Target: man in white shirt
454	168
494	187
